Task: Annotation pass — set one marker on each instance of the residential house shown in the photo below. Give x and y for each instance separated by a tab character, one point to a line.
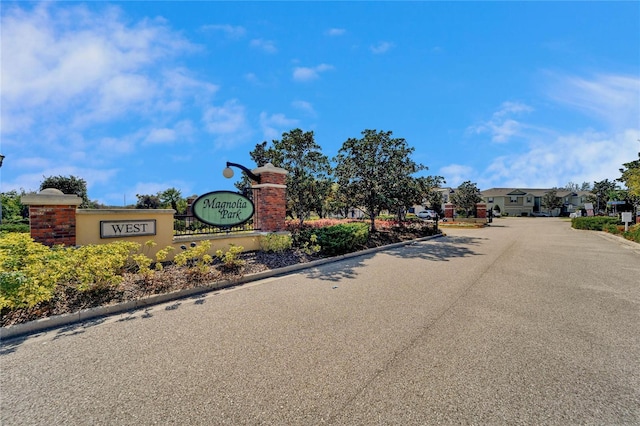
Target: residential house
527	201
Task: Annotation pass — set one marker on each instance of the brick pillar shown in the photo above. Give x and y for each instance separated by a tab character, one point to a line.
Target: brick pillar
270	198
52	217
449	209
481	210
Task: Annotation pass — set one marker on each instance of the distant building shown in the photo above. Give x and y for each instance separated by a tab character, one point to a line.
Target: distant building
446	194
528	202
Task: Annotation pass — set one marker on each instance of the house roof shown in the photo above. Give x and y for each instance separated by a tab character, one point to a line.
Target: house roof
536	192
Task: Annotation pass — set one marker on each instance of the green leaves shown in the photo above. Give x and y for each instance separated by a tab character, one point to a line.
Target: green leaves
466	196
30	271
375	173
550	200
308	178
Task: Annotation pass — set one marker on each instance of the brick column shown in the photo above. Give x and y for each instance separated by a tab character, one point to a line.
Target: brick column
481	210
52	216
270	198
449	209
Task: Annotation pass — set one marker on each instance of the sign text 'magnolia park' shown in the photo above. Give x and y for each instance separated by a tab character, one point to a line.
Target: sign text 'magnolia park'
223	208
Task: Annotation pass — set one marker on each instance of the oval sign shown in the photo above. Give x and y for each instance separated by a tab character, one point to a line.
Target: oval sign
223	208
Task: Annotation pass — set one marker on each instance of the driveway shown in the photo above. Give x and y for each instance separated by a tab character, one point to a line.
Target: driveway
524	322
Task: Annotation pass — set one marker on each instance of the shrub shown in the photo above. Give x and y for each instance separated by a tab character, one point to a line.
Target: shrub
612	229
593	223
230	259
196	256
633	233
311	246
15	227
343	238
276	243
94	267
25	279
30	271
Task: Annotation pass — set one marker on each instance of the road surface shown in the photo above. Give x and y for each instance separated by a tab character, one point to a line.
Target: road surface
524	322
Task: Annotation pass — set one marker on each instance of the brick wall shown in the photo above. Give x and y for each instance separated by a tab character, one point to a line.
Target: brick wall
449	210
481	211
53	224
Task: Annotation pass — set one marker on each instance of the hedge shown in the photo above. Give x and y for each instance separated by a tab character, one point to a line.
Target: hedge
593	223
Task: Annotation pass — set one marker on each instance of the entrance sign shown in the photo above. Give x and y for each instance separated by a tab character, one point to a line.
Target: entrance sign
127	228
223	208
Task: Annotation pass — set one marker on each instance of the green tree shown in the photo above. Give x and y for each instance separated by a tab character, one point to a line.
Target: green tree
147	201
372	170
466	196
571	186
601	192
550	200
429	189
261	155
402	196
631	179
299	154
69	185
170	197
13	211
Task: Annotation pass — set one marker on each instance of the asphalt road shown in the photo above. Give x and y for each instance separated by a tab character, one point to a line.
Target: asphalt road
525	322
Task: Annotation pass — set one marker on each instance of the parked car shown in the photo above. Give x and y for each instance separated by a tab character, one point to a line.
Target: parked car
427	214
496	213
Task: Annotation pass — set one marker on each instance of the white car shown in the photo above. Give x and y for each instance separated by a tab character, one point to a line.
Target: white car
427	214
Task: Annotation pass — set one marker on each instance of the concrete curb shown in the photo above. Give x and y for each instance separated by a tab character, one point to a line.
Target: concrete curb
56	321
619	239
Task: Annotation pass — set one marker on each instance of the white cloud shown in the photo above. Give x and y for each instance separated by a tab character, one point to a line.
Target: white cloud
180	84
63	55
550	157
114	146
334	32
267	46
615	99
180	133
252	78
308	74
275	124
455	174
32	181
381	47
501	127
32	163
163	135
225	119
228	123
582	157
230	31
82	84
66	69
305	107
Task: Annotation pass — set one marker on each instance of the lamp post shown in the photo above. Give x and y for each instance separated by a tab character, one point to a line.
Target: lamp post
228	171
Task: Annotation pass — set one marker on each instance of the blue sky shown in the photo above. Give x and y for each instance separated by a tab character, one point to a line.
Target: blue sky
137	97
